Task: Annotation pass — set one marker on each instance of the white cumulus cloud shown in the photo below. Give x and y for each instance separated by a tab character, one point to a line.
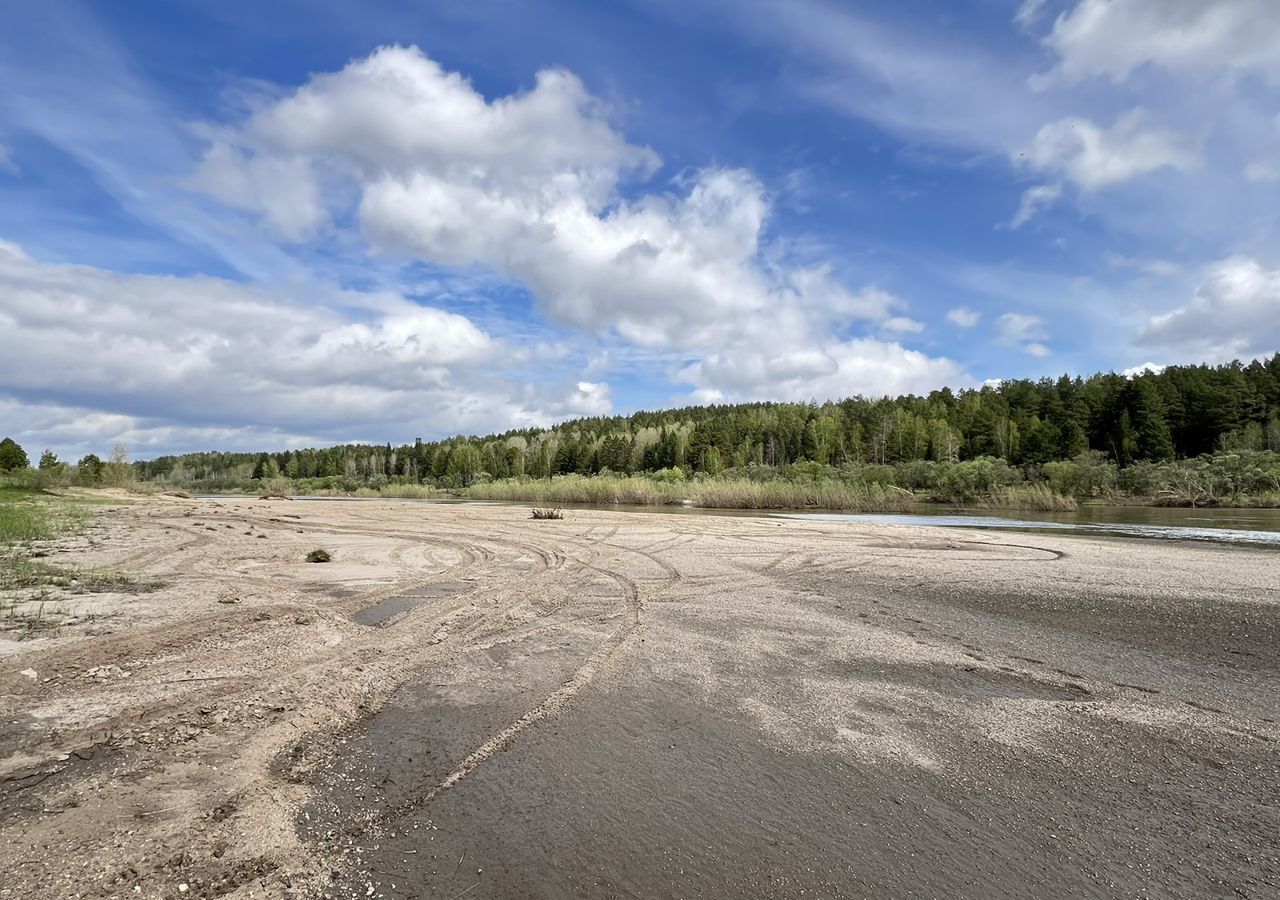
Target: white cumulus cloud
1113	38
1235	313
831	370
1093	157
902	325
529	186
155	358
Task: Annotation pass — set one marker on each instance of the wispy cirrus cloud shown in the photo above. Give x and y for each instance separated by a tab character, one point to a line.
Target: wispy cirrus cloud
1023	331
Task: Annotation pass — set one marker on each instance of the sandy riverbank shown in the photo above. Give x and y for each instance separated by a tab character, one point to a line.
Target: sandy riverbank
469	703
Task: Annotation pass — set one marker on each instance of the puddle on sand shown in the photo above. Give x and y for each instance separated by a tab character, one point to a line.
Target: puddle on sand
382	612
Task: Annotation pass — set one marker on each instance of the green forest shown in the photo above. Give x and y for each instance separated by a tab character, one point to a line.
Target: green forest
1186	435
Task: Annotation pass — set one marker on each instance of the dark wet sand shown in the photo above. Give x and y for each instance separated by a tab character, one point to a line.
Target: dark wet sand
834	711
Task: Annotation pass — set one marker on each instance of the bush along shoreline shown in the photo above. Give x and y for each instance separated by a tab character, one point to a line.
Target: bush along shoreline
1231	479
1196	436
1239	479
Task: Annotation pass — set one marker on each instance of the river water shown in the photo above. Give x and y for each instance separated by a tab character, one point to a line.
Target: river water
1258	527
1254	527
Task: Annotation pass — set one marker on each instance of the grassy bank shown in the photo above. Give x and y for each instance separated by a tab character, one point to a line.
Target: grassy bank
35	595
600	490
29	514
799	495
712	493
709	493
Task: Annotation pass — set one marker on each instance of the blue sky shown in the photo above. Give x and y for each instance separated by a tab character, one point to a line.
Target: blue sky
244	225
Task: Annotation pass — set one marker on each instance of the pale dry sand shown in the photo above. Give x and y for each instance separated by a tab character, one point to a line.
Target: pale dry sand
470	703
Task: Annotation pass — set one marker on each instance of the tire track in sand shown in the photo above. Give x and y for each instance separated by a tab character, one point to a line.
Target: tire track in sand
551	706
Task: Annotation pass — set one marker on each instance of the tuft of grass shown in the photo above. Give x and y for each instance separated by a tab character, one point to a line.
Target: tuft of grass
106	581
547	514
319	555
19	572
29	617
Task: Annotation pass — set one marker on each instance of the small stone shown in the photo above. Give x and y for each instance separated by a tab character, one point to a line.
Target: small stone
29	674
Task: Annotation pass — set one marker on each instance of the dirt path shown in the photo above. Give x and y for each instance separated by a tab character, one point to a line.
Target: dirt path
469	703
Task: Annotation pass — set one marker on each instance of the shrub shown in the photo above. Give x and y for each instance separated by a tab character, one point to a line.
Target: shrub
807	470
319	555
547	514
965	482
1089	474
277	488
916	475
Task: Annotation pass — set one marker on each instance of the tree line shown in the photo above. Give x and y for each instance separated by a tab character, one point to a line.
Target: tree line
1178	413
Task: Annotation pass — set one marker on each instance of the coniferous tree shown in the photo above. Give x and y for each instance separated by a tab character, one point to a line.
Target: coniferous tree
90	468
1182	412
12	456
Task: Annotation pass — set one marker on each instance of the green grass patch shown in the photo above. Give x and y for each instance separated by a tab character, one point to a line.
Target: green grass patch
34	593
21	521
30	514
21	573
